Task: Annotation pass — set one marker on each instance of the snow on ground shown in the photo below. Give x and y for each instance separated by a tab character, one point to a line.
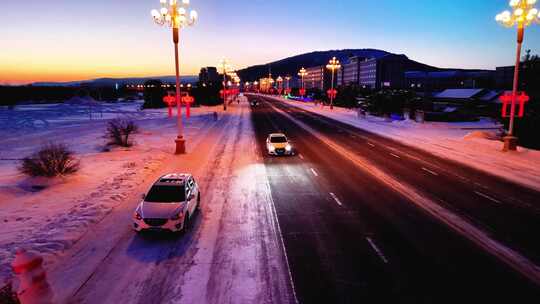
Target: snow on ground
231	255
82	223
53	219
463	142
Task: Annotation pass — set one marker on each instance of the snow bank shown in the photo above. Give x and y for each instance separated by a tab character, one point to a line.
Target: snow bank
50	216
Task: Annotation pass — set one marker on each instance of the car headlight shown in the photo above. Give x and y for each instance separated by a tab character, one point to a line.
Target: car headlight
271	148
288	148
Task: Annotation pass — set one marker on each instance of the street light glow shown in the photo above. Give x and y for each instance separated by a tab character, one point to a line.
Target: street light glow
524	14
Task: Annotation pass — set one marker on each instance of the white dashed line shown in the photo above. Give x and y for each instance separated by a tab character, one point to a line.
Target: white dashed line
377	250
336	199
488	197
314	172
430	172
394	155
371	145
301	156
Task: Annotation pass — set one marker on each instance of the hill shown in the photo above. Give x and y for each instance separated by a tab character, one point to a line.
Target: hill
111	82
291	65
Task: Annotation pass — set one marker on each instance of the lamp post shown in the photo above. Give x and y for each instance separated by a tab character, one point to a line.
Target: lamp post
175	16
523	14
280	84
333	65
288	89
226	68
303	73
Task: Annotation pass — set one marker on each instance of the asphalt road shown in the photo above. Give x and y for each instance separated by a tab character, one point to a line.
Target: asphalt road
350	238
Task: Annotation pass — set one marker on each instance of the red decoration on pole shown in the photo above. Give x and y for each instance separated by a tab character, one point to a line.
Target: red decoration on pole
287	91
332	93
188	100
507	98
279	91
302	92
170	101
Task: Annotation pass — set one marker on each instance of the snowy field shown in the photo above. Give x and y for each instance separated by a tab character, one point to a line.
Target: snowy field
470	143
81	224
52	219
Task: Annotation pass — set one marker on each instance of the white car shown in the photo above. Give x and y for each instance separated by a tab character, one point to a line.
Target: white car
169	204
278	144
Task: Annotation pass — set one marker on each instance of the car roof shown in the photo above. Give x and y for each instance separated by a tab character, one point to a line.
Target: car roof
277	135
172	179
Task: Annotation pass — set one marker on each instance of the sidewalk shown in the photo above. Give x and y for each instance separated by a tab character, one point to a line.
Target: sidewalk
455	141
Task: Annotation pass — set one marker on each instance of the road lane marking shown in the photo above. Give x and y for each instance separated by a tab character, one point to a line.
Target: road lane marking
394	155
488	197
301	156
430	172
377	250
336	199
371	145
314	172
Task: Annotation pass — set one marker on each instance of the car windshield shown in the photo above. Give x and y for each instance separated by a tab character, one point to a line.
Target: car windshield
166	194
278	139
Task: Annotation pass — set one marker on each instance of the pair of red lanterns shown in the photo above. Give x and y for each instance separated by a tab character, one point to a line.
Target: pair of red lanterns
170	101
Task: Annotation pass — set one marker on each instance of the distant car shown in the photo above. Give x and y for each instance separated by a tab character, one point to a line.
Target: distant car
169	205
278	144
254	102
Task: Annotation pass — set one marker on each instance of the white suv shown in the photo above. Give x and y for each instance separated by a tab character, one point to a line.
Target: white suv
278	144
169	204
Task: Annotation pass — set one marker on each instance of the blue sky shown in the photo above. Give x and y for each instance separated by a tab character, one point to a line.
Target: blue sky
65	40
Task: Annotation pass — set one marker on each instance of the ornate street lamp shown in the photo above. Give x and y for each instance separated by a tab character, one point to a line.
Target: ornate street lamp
280	84
175	16
523	14
333	65
288	89
226	68
303	73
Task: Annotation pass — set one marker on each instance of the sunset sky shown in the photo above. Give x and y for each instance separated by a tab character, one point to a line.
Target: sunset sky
61	40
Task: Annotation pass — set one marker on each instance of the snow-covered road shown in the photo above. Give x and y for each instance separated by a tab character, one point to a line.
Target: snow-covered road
233	254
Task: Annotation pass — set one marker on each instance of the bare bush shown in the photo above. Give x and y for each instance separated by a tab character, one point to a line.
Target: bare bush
51	160
8	296
119	131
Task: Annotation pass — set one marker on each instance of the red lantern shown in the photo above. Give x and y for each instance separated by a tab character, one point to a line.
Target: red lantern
332	93
187	100
507	98
302	92
170	100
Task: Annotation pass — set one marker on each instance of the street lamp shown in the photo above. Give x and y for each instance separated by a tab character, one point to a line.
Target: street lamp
175	16
303	73
333	65
523	14
226	69
280	84
288	79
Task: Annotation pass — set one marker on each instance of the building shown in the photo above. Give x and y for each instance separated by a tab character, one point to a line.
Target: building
319	77
350	72
449	79
315	77
209	75
388	71
504	77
